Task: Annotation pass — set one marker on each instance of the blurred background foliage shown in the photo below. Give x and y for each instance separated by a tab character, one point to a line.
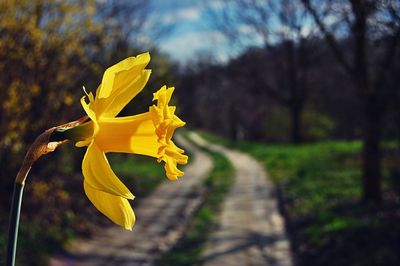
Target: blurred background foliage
321	71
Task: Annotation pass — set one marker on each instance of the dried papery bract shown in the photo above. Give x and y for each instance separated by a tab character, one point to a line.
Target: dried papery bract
45	143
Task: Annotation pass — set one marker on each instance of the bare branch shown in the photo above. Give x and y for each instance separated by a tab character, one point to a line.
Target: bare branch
388	59
329	37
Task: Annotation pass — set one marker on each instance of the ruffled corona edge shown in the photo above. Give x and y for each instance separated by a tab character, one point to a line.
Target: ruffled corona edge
165	122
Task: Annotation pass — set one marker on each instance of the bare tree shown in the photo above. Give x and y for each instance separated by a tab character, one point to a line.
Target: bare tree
367	24
283	22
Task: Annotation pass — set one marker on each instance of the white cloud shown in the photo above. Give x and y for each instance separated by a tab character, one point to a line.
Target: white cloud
185	47
245	29
182	14
216	4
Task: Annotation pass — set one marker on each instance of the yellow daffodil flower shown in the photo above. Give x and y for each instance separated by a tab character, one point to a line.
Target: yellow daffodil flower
148	133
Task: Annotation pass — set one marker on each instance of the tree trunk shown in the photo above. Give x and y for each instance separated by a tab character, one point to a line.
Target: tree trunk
232	127
295	103
371	180
296	124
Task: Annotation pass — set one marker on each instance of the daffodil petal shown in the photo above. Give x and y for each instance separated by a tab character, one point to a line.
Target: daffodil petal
99	175
112	107
119	75
117	209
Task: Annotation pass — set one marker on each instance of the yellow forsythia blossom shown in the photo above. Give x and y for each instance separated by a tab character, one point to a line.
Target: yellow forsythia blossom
148	133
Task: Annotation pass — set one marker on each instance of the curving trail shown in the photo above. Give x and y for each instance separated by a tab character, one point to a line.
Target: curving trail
162	218
251	230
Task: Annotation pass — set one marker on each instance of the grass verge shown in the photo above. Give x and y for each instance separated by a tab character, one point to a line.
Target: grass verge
321	188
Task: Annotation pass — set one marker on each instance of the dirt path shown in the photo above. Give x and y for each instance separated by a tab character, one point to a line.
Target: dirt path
161	220
251	229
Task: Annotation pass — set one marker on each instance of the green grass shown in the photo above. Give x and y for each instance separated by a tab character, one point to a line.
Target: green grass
188	250
321	188
141	174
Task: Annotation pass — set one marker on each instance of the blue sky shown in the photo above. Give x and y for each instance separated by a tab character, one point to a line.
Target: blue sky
192	33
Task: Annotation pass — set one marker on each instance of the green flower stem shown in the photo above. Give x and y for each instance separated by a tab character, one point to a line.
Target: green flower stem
77	133
14	223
